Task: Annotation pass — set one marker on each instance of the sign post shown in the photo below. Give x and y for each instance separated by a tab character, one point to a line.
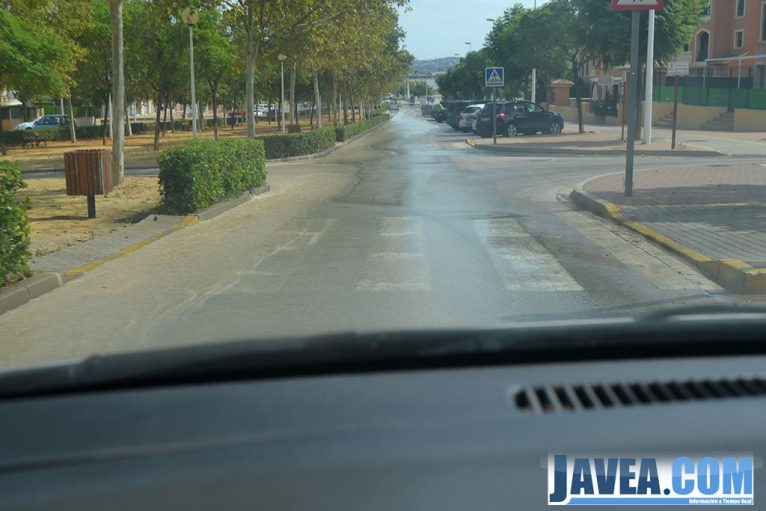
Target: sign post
676	69
494	77
636	6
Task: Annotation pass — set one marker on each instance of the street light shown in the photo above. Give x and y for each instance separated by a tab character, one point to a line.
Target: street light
282	57
469	47
190	18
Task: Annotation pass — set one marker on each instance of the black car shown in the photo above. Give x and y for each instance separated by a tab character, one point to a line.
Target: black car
514	117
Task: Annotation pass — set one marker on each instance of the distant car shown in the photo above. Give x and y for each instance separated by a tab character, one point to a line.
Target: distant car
469	116
454	108
393	105
45	122
515	117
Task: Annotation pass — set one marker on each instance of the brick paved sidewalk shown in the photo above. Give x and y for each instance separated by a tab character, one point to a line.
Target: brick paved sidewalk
717	210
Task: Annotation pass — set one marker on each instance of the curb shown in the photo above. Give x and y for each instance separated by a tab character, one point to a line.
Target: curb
18	294
732	274
525	151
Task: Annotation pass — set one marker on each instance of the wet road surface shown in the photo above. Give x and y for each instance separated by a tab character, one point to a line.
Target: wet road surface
406	228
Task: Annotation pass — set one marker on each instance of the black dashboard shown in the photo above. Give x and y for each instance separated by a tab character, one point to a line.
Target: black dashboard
468	438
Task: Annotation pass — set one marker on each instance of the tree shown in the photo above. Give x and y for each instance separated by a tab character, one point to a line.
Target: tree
29	58
214	55
466	79
156	41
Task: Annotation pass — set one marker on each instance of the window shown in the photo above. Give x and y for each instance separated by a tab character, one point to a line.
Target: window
763	22
531	107
739	37
740	8
686	47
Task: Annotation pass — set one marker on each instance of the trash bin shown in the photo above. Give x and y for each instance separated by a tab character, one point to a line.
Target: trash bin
89	173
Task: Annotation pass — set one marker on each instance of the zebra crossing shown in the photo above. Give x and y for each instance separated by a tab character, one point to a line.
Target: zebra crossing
398	259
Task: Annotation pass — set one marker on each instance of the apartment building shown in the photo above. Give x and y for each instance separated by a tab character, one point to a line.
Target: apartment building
731	43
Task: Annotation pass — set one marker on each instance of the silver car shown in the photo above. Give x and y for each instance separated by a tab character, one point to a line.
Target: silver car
45	122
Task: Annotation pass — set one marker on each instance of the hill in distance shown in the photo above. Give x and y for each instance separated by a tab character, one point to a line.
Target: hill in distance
433	65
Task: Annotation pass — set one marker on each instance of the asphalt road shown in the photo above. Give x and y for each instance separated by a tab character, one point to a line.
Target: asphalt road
406	228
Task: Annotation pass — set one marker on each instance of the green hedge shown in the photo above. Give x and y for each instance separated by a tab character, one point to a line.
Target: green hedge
299	144
14	224
199	173
355	128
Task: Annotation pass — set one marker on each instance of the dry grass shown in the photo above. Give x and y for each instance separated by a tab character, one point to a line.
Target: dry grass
57	220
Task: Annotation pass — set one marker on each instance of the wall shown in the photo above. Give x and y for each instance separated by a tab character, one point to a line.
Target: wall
749	120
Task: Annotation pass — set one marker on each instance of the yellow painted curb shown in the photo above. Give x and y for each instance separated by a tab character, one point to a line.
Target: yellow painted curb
185	222
470	142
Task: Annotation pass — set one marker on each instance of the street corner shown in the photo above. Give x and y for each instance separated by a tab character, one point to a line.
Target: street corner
673	206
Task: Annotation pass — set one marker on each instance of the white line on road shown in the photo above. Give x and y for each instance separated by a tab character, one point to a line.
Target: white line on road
520	260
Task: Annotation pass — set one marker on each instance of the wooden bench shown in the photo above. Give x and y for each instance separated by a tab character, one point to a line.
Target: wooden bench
32	137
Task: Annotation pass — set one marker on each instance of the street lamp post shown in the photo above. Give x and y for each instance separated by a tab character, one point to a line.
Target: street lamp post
190	18
282	57
469	47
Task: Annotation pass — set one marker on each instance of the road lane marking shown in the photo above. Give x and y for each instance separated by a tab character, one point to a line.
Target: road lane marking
400	261
661	269
520	260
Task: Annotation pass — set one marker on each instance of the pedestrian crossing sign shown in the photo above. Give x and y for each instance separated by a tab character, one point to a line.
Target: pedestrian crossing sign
494	76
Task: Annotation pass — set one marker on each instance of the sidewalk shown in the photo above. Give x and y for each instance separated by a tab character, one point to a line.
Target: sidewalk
591	143
730	143
714	216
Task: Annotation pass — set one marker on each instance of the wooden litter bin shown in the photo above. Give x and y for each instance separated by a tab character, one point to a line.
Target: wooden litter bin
89	173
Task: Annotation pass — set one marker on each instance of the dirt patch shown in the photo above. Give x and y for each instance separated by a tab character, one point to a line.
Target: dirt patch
57	220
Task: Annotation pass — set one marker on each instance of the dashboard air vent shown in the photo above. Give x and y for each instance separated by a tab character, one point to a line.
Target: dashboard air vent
599	396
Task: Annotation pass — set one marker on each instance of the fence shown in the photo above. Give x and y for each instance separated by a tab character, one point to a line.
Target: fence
732	98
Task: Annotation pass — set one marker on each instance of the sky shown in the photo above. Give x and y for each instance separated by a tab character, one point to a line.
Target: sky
440	28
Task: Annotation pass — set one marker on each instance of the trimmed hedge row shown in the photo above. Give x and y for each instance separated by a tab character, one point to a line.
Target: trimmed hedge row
299	144
355	128
199	173
14	223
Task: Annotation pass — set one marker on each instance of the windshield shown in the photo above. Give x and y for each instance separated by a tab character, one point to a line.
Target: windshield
306	171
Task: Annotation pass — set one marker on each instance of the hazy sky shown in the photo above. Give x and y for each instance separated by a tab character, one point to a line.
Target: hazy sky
440	28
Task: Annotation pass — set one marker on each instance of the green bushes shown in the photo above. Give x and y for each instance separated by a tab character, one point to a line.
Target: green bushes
355	128
299	144
14	224
199	173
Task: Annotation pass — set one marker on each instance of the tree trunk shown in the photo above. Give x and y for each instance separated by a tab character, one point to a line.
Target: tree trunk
118	92
164	117
214	90
3	149
311	117
344	103
250	71
293	106
106	127
157	124
183	112
578	96
72	132
172	121
317	98
128	128
334	106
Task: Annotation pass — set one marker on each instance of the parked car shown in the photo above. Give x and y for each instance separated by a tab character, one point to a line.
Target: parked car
514	117
453	109
468	117
440	113
45	122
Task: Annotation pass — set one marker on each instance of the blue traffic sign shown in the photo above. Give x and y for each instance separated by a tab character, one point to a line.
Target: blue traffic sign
494	76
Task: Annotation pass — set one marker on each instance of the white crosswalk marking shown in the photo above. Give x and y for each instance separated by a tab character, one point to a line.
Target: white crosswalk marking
400	262
522	262
661	269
